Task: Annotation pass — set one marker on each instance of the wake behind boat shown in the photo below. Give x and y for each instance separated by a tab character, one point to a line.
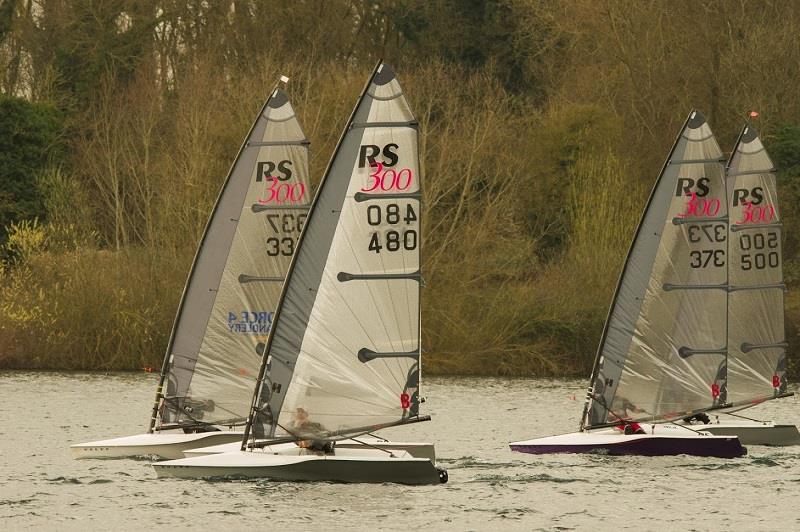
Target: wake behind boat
228	303
663	353
343	356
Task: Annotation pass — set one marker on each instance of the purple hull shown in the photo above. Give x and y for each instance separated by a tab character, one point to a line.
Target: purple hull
716	447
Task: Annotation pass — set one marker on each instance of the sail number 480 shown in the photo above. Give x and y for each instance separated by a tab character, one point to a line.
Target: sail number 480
394	239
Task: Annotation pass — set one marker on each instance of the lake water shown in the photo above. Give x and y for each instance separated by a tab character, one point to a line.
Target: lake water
41	487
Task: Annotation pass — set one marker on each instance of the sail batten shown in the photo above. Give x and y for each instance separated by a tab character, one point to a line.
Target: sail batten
748	173
230	296
279	143
700	161
680	221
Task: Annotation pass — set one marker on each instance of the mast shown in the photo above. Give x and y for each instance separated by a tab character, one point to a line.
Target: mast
345	345
228	299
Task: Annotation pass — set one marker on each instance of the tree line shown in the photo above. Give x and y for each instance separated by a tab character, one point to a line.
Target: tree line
544	124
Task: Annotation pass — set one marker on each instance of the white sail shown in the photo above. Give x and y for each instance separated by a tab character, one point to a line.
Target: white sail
663	351
345	349
230	297
756	339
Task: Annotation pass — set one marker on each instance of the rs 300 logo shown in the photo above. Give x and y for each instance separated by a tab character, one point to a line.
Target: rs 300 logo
265	170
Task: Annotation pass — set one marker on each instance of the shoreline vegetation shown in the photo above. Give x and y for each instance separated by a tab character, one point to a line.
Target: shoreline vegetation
539	144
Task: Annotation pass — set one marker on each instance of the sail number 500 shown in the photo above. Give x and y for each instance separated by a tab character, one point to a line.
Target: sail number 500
758	248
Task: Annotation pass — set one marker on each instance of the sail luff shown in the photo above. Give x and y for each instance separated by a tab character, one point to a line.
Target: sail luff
599	353
259	396
757	361
168	355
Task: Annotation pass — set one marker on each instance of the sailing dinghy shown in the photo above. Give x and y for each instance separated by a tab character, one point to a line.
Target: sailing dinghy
343	356
756	346
228	304
662	356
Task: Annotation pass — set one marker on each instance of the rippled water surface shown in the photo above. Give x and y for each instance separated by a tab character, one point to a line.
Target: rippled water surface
41	487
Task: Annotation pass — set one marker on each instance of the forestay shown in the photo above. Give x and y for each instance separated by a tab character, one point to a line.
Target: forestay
230	298
757	344
663	350
345	349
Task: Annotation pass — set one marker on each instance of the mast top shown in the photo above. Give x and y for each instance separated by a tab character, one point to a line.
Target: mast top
749	134
383	75
278	99
696	119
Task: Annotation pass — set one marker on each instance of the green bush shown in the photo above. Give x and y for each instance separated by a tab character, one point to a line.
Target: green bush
29	134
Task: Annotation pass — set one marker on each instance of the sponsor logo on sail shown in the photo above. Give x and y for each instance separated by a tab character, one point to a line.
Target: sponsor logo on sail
250	322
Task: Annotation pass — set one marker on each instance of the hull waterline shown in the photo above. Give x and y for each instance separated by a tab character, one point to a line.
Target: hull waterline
300	465
669	443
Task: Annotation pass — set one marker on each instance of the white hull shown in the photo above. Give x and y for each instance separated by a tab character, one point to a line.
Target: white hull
169	445
288	462
415	449
658	440
754	432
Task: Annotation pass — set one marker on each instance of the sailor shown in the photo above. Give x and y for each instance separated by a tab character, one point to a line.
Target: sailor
624	416
302	426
